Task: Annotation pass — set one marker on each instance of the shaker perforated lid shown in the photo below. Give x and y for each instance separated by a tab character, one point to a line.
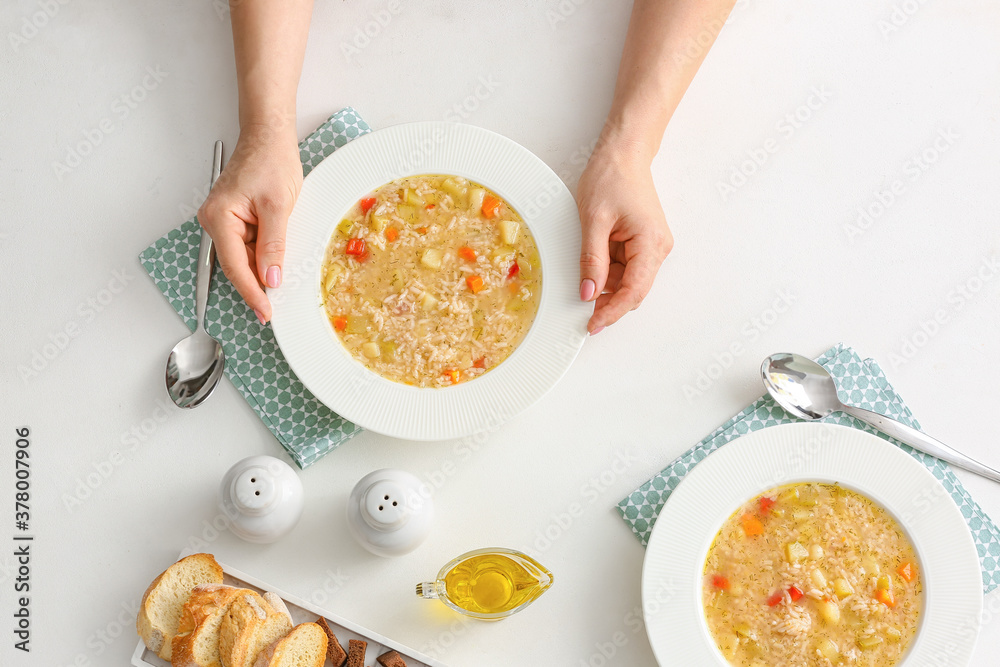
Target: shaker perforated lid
254	491
384	505
263	498
390	512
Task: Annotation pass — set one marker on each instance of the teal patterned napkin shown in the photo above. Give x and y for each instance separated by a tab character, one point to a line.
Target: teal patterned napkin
306	428
861	383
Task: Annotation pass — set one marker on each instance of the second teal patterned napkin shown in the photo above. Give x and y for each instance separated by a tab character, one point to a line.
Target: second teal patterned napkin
861	383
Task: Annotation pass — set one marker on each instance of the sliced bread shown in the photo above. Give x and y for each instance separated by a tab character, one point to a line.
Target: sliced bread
277	604
304	646
248	627
196	643
163	602
334	651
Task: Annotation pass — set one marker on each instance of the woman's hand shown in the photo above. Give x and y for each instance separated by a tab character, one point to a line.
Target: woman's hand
247	211
625	234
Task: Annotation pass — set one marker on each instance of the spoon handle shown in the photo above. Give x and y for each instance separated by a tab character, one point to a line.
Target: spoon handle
922	441
206	255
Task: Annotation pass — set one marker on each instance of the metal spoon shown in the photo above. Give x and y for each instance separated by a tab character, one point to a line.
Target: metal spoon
195	365
807	390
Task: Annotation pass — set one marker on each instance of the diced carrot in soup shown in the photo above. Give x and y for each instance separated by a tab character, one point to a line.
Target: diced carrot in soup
475	284
490	206
752	525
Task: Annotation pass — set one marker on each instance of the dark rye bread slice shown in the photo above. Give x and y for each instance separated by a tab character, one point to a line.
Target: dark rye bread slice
356	653
391	659
334	651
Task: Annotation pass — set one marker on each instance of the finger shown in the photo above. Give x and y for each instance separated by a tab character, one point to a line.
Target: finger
594	257
249	234
272	217
615	273
617	252
636	281
603	300
236	260
252	263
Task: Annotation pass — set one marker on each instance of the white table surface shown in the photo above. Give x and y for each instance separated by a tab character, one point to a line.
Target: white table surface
66	235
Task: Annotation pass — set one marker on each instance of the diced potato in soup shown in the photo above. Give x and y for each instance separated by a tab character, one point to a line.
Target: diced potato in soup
813	590
431	280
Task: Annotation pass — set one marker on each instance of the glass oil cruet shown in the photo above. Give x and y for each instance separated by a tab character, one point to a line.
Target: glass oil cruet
488	584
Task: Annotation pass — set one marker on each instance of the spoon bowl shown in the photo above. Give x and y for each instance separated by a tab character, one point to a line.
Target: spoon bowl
195	365
194	368
800	385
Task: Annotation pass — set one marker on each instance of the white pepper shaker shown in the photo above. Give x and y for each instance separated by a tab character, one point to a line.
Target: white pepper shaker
390	512
263	498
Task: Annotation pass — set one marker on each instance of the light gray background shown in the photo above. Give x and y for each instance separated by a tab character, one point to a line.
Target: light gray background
896	74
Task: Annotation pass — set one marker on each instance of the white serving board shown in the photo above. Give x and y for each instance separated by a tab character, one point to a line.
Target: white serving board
304	612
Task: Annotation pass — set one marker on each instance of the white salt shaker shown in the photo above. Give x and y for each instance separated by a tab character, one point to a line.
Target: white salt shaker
390	512
263	498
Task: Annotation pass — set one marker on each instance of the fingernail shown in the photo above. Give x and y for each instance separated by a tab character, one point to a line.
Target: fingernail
596	331
260	315
587	289
273	276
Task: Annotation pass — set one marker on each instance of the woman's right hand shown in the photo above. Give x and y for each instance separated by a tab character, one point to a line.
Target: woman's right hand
246	213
